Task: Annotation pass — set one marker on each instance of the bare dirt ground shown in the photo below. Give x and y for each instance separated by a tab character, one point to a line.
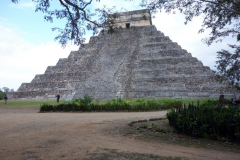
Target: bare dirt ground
26	134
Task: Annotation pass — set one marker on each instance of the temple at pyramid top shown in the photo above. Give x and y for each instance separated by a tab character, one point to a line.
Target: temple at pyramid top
132	18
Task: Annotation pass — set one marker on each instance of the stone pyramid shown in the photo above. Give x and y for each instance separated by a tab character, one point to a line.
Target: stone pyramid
135	62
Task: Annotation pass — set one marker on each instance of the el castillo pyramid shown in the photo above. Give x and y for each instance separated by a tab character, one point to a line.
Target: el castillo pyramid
135	62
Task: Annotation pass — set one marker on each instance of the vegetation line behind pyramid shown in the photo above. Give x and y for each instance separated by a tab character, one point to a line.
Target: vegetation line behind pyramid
134	62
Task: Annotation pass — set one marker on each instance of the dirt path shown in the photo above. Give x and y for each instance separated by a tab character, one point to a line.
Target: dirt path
27	134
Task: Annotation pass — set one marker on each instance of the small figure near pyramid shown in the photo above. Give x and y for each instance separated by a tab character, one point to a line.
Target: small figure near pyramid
136	62
58	97
5	98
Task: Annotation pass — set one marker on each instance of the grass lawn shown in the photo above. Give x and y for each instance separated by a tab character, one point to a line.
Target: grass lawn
26	103
186	101
36	103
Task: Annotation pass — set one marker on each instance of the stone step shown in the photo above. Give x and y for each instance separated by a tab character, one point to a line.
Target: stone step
182	79
164	87
163	66
156	57
163	63
166	52
172	60
203	89
152	33
154	89
193	88
65	69
64	62
56	77
160	46
174	71
47	85
174	67
212	88
81	53
154	39
84	64
88	47
76	59
186	87
170	94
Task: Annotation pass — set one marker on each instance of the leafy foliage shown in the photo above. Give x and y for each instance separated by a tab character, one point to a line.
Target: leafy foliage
2	94
84	104
80	18
218	14
86	99
229	65
206	120
221	16
144	126
157	128
140	100
4	91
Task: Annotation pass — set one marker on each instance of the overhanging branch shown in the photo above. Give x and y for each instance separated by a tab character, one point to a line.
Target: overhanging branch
84	12
221	5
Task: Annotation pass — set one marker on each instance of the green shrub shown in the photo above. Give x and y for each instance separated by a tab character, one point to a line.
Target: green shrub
125	105
139	100
166	100
156	128
86	99
208	120
150	101
2	95
144	126
97	101
84	104
76	101
45	107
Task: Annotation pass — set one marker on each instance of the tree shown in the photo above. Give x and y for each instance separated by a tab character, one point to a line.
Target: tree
79	18
221	17
2	94
5	90
229	65
11	90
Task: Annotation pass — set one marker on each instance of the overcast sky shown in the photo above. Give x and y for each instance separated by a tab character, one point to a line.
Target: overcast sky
27	43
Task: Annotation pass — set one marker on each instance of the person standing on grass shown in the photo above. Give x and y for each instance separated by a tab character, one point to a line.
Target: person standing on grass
221	99
58	97
233	102
5	98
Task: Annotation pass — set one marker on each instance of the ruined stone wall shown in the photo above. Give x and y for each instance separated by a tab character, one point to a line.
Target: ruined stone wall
139	62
